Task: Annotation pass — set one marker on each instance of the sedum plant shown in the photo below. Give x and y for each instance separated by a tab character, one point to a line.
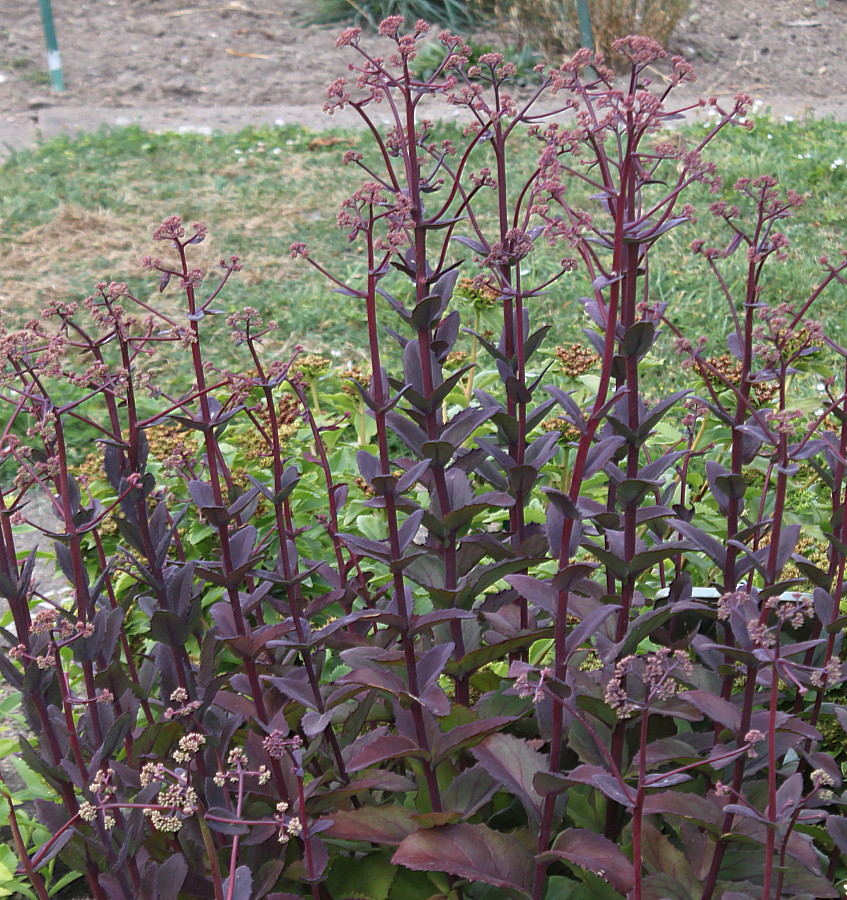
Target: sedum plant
449	637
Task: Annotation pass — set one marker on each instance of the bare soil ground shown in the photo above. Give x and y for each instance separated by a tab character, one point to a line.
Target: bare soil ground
242	53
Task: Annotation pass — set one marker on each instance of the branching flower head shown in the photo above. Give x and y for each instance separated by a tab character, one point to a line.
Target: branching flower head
792	608
349	38
391	26
639	49
171	229
661	674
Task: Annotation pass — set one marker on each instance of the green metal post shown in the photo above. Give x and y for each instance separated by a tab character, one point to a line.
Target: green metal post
54	60
586	33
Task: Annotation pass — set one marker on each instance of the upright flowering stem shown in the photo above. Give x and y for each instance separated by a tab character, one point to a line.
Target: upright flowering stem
638	808
770	840
400	590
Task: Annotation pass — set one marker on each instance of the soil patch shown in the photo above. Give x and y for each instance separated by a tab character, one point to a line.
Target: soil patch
251	53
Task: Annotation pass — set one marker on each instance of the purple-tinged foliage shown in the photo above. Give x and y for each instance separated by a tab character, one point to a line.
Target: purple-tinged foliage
495	675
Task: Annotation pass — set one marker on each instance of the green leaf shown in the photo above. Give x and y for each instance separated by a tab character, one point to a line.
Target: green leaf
662	858
561	888
372	876
409	885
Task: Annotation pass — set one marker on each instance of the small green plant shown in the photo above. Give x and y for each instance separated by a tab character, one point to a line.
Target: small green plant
457	14
524	59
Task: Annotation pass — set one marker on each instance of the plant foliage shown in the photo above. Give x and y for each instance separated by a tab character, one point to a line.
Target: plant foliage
445	635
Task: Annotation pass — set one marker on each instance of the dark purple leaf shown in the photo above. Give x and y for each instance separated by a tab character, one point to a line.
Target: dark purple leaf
647	622
563	503
836	827
425	622
716	708
604	281
705	542
788	796
472	244
747	812
540	594
691	807
53	850
735	346
243	886
512	763
469	791
541	450
382	680
638	340
375	779
463	424
412	475
315	859
314	724
241	545
601	452
587	627
550	783
374	824
613	789
407	431
788	537
573	412
475	852
573	576
171	876
431	664
474	660
659	780
267	877
435	700
655	468
297	687
410	528
369	465
594	852
463	736
224	821
807	450
389	746
665	887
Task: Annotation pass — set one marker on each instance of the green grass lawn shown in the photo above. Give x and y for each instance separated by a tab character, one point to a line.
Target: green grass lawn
75	212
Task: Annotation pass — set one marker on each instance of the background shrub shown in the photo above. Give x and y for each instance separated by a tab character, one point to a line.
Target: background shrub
552	26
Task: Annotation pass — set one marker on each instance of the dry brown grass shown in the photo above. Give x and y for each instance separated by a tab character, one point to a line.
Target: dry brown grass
62	259
38	263
552	25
